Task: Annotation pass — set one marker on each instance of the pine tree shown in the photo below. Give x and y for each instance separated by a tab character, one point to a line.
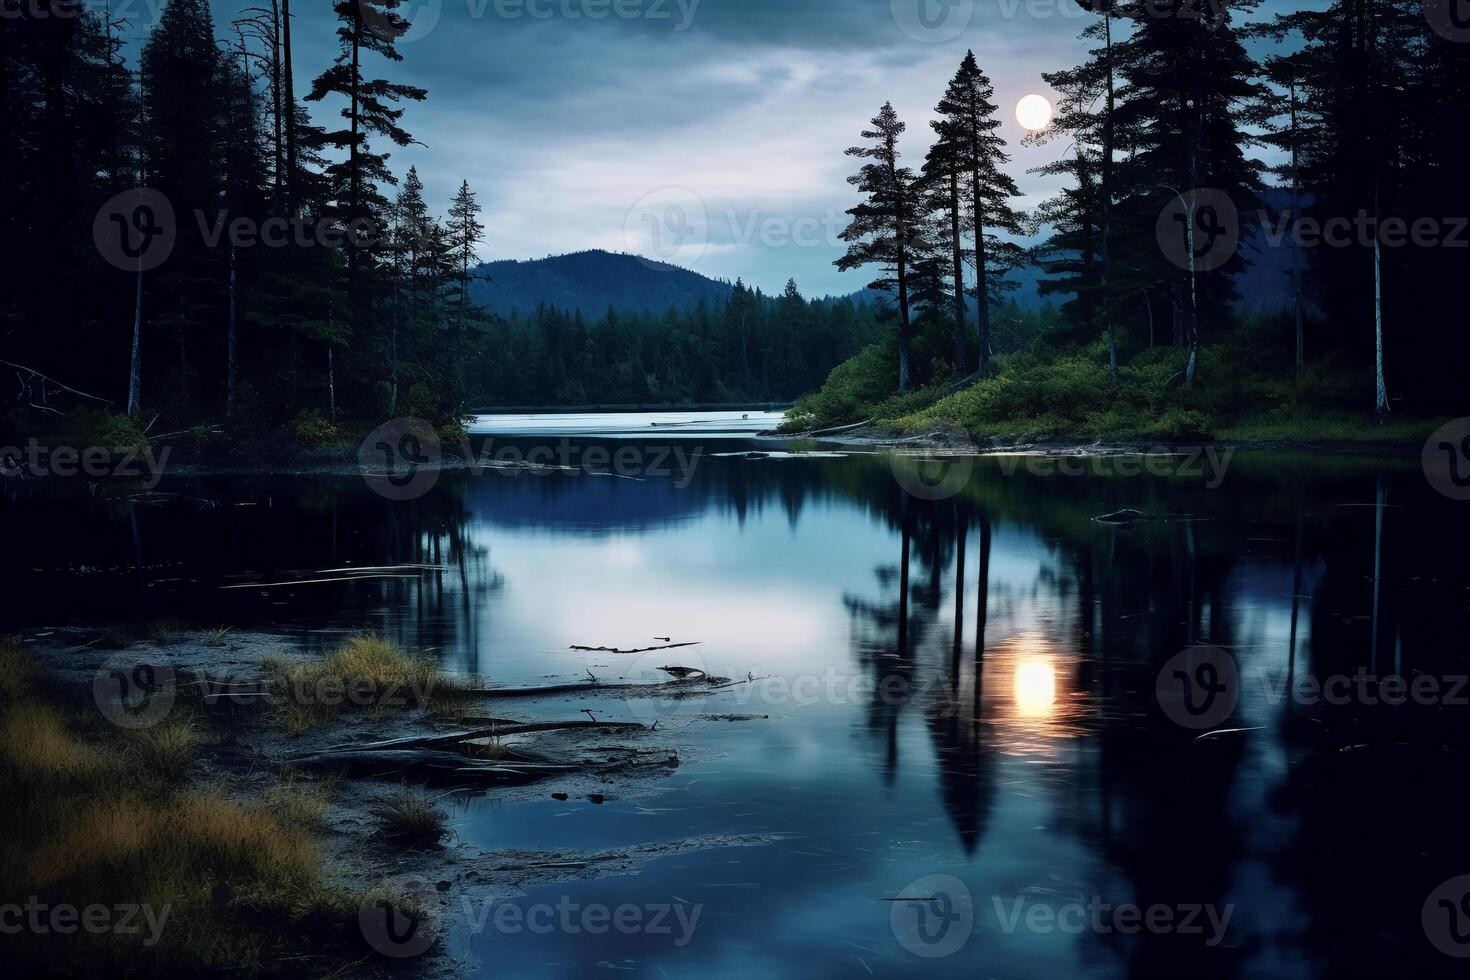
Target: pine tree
1188	95
372	110
182	75
243	187
946	181
465	232
885	227
1077	256
968	122
1378	100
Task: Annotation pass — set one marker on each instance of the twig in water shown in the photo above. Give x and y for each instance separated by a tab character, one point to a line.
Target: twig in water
750	678
668	646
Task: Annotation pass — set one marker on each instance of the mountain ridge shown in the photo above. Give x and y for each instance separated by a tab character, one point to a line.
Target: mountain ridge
593	281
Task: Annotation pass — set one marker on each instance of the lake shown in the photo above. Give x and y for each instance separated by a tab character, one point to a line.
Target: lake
987	734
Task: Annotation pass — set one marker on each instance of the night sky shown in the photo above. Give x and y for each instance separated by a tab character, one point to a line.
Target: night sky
582	131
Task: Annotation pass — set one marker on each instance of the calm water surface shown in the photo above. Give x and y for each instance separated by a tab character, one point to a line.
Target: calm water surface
964	686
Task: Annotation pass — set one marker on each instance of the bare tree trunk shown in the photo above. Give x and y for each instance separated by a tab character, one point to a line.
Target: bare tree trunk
903	290
960	362
332	381
135	369
393	345
982	288
464	284
289	97
231	359
1296	252
903	318
275	66
1107	206
1193	289
1380	407
354	166
1192	137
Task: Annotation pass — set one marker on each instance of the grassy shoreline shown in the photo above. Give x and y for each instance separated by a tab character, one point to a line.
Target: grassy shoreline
1068	400
105	818
136	849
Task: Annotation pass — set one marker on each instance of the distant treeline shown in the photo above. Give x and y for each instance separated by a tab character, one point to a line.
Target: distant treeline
749	348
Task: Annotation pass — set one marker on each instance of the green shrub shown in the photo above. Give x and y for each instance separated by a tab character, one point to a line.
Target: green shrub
453	436
312	429
851	392
87	427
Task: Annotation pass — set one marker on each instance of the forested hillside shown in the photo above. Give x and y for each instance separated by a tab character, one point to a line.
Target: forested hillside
590	283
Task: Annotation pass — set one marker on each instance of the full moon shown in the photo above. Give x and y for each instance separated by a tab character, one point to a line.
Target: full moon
1033	112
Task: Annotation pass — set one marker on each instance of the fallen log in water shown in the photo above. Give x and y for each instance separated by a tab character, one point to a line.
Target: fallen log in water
576	688
429	765
436	766
666	646
491	731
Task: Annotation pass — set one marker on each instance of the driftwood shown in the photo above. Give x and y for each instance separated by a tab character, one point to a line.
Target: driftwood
316	581
429	765
435	766
666	646
725	682
26	375
1125	516
576	688
491	731
822	432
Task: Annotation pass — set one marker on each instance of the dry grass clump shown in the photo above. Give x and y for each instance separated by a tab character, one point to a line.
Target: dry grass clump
222	884
167	749
169	629
302	803
19	672
35	745
411	819
368	672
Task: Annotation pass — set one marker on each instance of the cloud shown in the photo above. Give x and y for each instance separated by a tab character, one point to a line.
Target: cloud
563	121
